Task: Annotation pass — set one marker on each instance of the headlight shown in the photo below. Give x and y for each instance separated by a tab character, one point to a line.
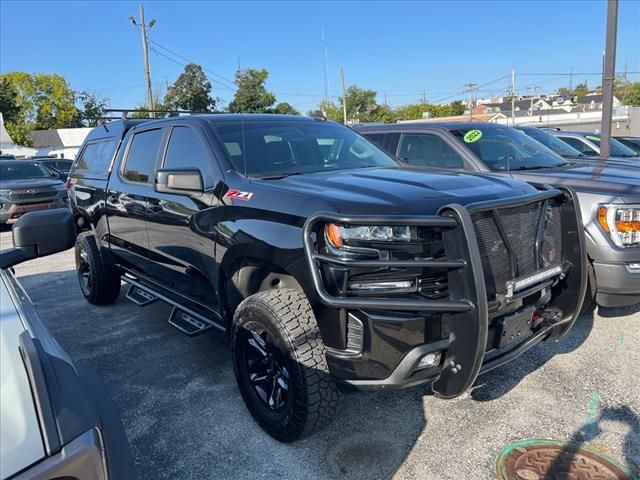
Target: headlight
338	235
622	223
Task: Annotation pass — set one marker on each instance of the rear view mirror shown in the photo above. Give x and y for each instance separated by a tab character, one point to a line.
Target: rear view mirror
187	181
38	234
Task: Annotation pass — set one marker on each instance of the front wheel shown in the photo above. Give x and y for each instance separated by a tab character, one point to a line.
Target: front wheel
99	282
280	365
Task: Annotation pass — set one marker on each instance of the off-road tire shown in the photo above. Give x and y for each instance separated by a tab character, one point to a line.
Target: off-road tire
100	284
312	399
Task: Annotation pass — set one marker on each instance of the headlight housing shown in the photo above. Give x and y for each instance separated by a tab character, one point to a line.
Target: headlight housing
622	223
338	236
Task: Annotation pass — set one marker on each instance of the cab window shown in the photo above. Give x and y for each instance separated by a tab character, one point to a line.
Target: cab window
185	150
142	155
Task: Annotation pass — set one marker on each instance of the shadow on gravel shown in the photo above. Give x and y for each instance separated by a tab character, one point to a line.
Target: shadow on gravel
618	311
497	383
589	432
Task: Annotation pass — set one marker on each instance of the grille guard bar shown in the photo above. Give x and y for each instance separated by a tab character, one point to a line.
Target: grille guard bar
467	305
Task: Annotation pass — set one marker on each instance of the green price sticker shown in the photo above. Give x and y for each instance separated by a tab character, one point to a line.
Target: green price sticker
472	136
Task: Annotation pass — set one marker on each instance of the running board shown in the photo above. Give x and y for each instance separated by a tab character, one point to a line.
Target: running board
184	319
188	324
139	296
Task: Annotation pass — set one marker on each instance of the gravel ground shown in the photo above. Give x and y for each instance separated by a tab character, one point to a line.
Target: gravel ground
185	418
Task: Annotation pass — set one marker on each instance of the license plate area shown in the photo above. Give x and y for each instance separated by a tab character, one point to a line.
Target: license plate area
513	328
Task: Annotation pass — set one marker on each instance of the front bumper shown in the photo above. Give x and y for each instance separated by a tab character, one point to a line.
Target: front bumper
11	212
618	285
461	327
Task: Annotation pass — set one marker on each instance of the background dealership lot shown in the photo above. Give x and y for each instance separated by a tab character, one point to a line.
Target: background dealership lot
185	418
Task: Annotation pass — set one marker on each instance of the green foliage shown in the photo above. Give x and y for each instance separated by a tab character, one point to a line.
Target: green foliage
92	108
19	133
251	95
39	101
191	91
142	112
361	103
285	109
581	90
8	101
329	110
632	95
565	92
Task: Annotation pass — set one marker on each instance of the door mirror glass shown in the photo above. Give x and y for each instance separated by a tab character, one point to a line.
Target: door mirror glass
187	181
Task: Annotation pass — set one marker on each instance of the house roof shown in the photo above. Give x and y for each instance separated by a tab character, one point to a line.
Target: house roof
45	138
590	98
73	137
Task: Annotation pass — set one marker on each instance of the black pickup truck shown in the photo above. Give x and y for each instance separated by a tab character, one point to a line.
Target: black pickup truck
327	262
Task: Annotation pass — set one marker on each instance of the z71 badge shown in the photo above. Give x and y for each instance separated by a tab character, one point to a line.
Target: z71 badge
238	195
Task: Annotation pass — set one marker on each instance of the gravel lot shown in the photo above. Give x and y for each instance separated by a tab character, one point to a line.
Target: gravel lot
185	418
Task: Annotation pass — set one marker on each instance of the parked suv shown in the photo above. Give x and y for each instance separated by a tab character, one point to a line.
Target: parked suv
609	196
25	186
327	261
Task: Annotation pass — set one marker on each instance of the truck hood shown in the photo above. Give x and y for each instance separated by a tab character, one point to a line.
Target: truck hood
601	178
29	183
399	191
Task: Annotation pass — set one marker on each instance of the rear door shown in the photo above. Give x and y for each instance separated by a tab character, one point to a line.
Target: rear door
181	227
130	188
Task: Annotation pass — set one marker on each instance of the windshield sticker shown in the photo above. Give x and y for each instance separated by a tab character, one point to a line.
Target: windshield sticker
591	137
238	195
472	136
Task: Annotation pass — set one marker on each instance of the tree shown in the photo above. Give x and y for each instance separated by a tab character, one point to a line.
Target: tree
285	108
251	95
581	90
8	101
360	103
329	109
191	91
632	95
565	92
92	108
44	101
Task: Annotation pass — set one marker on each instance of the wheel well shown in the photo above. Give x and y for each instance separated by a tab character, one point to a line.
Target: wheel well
248	276
82	224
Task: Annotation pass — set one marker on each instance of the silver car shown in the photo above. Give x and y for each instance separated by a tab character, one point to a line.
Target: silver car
57	419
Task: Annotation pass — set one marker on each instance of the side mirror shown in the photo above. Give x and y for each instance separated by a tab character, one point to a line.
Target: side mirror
55	174
38	234
185	181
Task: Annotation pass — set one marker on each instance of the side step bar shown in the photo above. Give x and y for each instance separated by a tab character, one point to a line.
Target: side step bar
139	296
182	318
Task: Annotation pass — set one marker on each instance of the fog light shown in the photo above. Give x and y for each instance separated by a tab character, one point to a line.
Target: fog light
429	360
386	286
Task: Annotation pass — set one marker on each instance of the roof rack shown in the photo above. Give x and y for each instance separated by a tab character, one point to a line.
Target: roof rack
125	111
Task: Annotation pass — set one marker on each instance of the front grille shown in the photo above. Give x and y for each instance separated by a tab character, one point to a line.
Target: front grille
37	194
521	227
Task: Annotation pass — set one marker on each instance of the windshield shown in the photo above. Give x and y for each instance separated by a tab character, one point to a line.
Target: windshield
552	142
616	149
503	149
21	170
279	148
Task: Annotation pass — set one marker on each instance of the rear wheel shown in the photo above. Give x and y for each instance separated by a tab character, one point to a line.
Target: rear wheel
99	281
280	366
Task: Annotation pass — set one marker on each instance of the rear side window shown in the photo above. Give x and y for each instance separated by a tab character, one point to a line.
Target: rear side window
427	150
96	158
185	150
141	159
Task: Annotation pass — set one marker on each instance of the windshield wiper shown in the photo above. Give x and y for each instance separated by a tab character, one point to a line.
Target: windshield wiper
536	167
281	175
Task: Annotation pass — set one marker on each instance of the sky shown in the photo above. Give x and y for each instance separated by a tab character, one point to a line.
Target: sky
403	50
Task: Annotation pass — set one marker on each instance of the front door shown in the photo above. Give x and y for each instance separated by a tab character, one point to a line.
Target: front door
181	227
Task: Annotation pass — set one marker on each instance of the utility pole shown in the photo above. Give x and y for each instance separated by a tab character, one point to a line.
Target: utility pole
513	97
609	76
344	97
533	89
471	88
424	96
145	50
571	81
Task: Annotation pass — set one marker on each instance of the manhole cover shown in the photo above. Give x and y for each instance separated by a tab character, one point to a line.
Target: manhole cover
552	460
